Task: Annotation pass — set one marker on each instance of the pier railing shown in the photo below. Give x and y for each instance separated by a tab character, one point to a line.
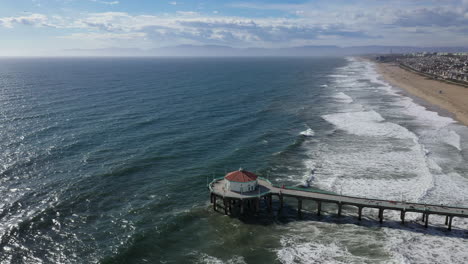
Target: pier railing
210	185
252	199
251	194
303	189
406	204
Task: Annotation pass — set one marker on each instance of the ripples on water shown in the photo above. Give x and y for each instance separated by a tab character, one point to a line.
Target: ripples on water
106	160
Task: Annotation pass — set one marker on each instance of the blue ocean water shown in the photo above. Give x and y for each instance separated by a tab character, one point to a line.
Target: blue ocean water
106	160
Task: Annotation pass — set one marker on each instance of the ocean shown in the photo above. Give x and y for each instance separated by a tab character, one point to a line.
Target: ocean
107	160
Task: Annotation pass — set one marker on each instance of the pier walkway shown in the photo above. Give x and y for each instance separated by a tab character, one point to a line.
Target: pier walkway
266	191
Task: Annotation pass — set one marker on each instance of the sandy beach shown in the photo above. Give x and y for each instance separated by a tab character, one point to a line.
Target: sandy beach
453	98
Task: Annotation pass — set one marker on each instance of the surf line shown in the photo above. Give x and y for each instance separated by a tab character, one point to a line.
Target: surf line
243	190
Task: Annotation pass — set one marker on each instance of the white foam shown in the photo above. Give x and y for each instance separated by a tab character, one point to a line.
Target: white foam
205	258
342	97
394	164
422	114
367	123
323	85
338	76
294	251
424	248
444	135
378	172
308	133
450	189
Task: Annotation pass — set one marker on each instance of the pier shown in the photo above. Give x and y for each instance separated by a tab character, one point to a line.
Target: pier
266	191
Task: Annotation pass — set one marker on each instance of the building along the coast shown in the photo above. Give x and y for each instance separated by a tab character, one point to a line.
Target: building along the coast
442	65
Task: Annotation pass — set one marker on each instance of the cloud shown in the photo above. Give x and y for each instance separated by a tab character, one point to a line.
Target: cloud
105	36
29	20
393	12
381	22
190	27
187	13
106	2
268	30
108	21
428	17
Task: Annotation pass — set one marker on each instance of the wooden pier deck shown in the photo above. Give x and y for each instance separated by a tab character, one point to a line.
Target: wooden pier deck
266	191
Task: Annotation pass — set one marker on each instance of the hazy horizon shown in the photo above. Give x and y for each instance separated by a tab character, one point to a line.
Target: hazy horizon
54	27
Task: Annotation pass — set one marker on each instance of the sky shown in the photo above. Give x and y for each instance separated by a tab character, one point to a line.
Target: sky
48	27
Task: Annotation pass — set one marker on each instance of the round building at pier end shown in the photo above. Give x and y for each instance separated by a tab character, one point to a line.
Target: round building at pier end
241	181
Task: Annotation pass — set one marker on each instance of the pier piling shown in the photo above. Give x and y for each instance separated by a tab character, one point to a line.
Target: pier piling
299	208
214	202
270	202
225	206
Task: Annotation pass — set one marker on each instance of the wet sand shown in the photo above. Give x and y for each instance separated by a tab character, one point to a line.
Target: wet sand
451	97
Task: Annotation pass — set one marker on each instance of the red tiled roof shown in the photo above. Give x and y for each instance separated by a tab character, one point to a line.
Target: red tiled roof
240	176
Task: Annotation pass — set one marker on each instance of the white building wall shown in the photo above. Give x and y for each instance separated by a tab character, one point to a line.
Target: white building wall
241	186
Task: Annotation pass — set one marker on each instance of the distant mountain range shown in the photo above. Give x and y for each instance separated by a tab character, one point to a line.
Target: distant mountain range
216	50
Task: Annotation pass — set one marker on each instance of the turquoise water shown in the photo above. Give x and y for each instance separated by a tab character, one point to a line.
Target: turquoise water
107	160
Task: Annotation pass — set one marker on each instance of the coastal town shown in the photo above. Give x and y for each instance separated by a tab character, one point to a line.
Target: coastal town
440	65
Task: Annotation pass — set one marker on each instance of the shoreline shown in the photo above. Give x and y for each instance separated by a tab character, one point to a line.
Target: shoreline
450	97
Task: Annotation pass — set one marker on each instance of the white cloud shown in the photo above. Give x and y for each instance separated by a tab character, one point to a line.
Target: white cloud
173	3
345	24
356	27
192	27
187	13
30	20
106	2
105	36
